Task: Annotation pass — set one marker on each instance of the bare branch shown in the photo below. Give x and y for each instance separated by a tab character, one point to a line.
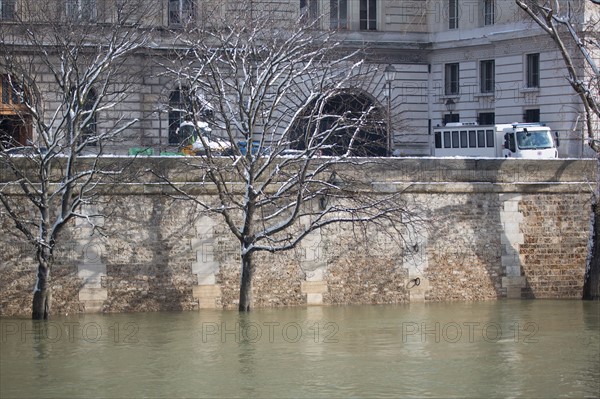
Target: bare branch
63	71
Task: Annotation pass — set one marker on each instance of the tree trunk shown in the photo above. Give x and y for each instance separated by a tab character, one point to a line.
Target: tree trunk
591	287
42	294
246	283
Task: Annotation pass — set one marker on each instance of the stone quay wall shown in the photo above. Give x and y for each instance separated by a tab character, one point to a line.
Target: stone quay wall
491	228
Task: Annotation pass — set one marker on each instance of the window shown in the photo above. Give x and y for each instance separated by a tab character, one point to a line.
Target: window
89	129
181	12
338	14
309	10
179	108
447	140
448	118
531	116
463	139
451	79
472	139
509	143
368	15
488	12
486	75
534	140
533	70
7	10
489	138
81	9
481	138
486	118
455	143
15	122
12	95
438	139
452	14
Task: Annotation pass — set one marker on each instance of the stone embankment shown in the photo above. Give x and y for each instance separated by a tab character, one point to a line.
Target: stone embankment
489	229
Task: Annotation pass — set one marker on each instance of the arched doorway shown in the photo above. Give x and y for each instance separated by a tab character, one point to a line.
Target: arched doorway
345	115
15	121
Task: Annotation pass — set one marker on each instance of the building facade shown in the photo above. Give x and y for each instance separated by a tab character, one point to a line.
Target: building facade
454	61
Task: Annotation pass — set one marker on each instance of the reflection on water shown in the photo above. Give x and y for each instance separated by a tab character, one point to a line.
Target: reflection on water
489	349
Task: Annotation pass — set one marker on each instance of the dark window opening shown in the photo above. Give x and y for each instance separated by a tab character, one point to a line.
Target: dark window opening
533	70
438	139
512	146
481	138
489	138
463	139
181	12
487	76
15	121
488	12
84	10
15	131
451	78
338	14
453	14
447	142
89	129
368	15
531	116
309	10
472	139
7	10
455	142
449	118
486	118
180	109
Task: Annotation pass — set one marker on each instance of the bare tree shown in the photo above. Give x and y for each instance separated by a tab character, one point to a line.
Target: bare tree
574	26
291	104
61	67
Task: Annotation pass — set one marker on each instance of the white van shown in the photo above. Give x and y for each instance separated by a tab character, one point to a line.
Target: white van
516	140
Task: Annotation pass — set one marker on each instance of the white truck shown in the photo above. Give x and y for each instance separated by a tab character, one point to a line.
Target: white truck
516	140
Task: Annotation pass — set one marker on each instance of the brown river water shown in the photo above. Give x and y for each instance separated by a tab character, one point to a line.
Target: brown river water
538	348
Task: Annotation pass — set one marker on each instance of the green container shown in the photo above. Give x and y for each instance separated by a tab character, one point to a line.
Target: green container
135	151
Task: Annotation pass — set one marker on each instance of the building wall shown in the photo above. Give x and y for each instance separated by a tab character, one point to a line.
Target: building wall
484	229
414	37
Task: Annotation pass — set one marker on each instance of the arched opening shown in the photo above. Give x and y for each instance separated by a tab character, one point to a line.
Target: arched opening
180	107
15	121
344	116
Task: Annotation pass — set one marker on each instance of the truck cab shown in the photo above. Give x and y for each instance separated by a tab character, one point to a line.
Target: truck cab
529	141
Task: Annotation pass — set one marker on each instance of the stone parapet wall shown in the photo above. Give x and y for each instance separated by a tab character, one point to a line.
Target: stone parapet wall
494	229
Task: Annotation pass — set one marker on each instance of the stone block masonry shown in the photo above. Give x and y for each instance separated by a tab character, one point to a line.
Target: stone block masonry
91	269
552	245
491	229
511	241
